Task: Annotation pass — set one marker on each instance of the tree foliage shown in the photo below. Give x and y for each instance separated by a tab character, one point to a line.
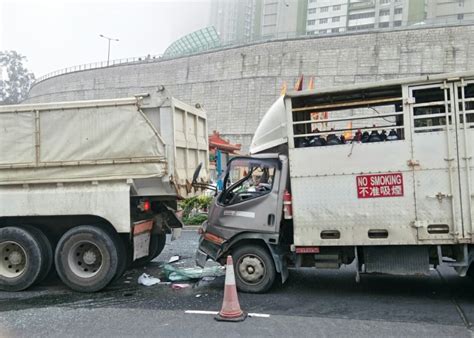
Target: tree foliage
15	80
195	209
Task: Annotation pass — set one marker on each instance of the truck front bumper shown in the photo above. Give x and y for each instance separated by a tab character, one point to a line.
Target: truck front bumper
201	258
207	250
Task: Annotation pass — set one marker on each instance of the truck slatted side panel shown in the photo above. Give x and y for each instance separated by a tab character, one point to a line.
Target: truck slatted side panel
415	187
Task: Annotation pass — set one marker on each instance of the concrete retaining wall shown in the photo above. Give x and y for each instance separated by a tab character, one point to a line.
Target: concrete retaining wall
236	86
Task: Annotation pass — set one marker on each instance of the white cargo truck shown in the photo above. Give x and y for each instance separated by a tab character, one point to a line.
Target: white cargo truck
379	175
92	186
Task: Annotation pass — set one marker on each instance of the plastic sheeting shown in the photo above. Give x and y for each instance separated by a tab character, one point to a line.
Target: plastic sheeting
82	142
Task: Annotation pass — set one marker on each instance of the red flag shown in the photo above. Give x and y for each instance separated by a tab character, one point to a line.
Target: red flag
299	83
311	83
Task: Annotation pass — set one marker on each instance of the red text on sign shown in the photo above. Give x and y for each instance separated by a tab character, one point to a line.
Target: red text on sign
382	185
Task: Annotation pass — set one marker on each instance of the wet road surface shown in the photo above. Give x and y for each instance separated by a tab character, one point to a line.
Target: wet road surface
326	302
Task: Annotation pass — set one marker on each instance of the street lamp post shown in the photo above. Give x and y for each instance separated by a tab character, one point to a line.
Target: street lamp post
108	50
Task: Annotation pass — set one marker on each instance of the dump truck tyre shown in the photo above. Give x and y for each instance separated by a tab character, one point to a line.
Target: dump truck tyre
46	251
21	259
160	244
157	244
254	269
87	258
123	262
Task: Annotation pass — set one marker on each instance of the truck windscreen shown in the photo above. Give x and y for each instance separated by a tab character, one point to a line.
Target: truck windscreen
247	178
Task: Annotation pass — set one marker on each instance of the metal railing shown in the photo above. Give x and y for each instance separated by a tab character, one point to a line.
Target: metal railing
99	64
241	43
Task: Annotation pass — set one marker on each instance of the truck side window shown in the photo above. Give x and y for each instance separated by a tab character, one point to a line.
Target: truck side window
247	179
429	109
467	102
348	117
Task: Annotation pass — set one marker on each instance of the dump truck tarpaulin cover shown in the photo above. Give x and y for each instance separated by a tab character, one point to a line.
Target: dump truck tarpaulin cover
78	142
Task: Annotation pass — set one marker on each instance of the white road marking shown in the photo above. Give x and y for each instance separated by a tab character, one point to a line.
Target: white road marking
199	312
259	315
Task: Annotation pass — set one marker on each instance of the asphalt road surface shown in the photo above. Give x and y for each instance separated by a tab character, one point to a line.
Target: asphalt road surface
311	303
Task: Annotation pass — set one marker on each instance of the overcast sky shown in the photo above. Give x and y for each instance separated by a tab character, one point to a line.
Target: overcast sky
55	34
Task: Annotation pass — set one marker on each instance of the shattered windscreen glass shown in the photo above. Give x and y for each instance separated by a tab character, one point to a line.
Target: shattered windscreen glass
247	178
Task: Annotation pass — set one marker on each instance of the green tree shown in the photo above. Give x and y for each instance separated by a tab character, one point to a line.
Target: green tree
15	80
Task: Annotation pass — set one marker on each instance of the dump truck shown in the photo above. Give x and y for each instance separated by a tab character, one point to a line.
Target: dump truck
91	187
377	175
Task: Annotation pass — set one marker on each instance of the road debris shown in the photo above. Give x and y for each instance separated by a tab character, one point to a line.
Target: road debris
183	274
147	280
178	286
174	259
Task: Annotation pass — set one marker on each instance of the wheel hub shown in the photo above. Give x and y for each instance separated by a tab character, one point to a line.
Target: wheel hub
252	269
85	259
13	259
89	257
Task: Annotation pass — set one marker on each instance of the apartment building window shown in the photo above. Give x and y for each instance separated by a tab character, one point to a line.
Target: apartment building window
312	1
398	10
384	12
336	19
383	24
361	16
335	30
323	31
325	20
324	9
397	23
311	10
336	7
271	8
383	2
360	27
460	16
311	22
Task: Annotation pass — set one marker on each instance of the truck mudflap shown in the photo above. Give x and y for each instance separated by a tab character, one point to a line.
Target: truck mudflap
141	238
167	221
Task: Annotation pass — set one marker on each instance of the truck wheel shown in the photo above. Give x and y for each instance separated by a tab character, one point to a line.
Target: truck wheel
157	244
86	258
123	262
21	259
46	250
254	268
160	244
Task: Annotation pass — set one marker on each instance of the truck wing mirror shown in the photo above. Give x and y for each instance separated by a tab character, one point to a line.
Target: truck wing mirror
201	185
196	173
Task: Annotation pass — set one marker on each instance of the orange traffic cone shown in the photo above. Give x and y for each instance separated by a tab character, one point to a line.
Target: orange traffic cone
230	311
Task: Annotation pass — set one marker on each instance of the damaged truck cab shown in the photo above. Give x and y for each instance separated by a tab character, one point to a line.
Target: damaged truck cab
247	217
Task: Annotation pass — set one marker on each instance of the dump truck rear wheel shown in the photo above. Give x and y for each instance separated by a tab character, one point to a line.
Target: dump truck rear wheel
46	252
87	258
21	259
123	262
254	269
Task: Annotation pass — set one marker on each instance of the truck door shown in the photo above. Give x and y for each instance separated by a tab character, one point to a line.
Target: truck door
250	197
439	199
464	102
